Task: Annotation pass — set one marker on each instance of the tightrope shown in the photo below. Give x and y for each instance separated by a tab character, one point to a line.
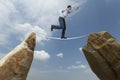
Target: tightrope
72	38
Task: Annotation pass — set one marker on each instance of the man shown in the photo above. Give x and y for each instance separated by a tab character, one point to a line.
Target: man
62	17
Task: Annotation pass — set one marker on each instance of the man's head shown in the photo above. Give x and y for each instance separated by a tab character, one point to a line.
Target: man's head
69	7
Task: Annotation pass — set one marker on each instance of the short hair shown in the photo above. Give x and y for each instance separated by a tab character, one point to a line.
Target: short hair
69	6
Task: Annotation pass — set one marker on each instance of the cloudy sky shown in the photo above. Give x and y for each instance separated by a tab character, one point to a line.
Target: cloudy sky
56	59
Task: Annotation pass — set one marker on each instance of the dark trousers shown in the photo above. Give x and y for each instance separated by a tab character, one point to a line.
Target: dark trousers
61	26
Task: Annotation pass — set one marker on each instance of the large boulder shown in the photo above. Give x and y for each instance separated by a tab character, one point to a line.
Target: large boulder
16	64
103	55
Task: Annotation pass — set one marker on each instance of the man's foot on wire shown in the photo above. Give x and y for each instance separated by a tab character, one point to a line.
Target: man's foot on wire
63	37
51	28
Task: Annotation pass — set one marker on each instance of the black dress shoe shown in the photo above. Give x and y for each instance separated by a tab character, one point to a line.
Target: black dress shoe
63	37
51	28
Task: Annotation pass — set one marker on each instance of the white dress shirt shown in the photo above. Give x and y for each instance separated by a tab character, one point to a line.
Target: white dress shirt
65	13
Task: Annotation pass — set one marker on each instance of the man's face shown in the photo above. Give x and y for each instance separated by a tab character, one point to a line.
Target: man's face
70	8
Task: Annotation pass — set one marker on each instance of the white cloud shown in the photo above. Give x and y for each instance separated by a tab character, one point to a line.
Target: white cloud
41	55
27	28
60	55
44	11
74	67
78	65
24	16
78	62
6	8
36	74
80	48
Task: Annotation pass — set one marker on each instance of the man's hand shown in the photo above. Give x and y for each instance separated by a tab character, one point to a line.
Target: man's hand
77	8
64	17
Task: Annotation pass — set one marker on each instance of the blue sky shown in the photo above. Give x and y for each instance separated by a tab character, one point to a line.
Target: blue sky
56	59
